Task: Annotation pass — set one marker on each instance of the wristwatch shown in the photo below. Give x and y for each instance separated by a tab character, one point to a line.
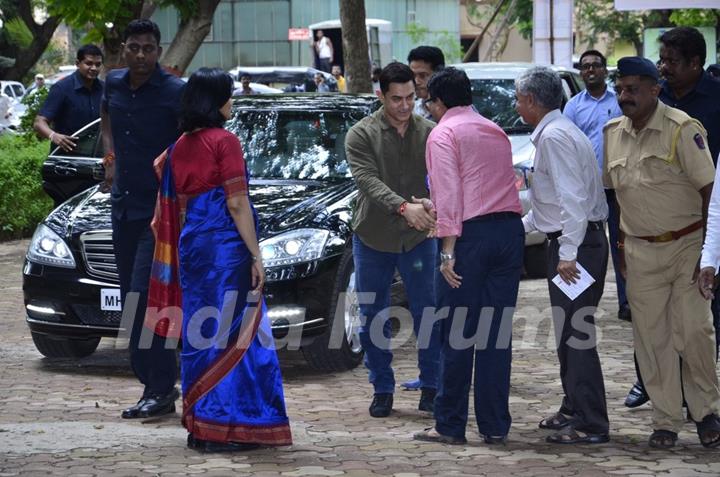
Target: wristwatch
446	257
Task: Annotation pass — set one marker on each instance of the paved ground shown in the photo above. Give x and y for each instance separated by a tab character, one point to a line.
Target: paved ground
62	418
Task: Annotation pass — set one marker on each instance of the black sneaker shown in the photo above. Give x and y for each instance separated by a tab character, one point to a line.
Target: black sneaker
427	400
381	405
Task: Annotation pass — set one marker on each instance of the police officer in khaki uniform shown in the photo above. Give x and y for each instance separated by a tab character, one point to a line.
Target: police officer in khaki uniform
657	160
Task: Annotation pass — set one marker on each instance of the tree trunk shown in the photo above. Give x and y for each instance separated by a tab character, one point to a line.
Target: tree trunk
355	46
26	58
190	35
493	52
478	39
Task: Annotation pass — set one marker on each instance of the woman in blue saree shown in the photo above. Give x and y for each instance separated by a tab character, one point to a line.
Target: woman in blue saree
208	270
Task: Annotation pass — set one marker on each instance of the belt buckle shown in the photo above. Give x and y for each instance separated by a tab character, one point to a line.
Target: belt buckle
666	237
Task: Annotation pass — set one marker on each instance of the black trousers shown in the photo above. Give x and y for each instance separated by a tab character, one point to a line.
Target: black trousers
154	366
580	370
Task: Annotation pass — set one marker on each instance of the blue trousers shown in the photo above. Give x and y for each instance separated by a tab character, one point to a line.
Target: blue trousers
613	224
490	261
155	366
374	271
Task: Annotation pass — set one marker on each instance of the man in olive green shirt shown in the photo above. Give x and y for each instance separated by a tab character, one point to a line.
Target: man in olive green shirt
386	153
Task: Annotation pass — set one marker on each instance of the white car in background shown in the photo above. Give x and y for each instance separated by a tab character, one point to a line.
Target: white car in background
493	87
15	91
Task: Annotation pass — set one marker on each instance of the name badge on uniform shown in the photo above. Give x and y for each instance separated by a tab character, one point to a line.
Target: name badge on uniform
699	141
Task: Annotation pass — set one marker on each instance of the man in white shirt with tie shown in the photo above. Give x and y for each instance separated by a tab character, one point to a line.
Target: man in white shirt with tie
568	204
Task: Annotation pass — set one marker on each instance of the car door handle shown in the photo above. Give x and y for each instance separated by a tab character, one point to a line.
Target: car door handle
64	170
98	172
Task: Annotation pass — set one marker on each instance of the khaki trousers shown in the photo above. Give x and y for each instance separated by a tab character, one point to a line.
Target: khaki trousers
671	320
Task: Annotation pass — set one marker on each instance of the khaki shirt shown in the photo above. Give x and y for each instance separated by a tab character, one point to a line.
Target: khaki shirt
657	184
388	170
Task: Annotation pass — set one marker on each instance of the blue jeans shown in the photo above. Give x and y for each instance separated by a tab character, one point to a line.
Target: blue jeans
489	260
374	271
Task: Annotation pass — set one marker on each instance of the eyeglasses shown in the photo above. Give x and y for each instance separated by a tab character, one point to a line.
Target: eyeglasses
428	101
587	66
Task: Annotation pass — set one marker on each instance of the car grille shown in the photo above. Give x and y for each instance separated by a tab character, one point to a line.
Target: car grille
93	315
99	255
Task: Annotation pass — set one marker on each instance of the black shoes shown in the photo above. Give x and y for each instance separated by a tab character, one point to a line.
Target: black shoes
210	446
381	405
133	411
427	400
637	396
152	406
624	313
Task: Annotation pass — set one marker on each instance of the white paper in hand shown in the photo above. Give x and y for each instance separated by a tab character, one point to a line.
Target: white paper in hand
573	290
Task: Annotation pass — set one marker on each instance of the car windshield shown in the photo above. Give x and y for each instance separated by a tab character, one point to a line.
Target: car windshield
295	145
495	99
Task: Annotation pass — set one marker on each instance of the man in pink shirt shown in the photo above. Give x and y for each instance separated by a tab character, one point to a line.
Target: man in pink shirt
472	184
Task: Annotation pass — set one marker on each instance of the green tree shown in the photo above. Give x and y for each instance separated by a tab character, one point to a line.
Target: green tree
601	18
22	39
104	21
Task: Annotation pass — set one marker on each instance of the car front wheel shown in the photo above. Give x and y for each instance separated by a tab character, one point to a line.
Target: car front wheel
330	351
64	347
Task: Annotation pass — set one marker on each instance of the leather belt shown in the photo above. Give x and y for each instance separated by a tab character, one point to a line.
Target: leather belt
590	226
494	216
675	234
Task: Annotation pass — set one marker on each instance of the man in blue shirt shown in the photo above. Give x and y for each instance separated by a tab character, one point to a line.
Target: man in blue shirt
140	111
590	111
72	102
687	86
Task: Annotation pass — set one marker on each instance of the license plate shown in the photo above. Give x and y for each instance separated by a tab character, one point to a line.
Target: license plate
110	299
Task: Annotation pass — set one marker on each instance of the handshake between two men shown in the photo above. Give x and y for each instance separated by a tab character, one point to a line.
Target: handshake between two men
420	214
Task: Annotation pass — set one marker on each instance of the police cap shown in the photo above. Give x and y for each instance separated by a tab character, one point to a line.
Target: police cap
637	66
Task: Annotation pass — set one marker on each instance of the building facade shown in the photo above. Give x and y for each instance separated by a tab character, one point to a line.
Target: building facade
255	32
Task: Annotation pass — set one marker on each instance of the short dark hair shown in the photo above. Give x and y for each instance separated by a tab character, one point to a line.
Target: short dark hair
395	72
451	86
207	90
377	70
429	54
245	75
88	50
688	41
603	60
141	27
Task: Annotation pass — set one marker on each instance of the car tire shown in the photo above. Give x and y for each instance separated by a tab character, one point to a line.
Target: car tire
349	355
536	261
51	347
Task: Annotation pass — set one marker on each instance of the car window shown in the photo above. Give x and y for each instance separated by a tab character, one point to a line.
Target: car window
17	89
291	144
495	99
87	144
8	91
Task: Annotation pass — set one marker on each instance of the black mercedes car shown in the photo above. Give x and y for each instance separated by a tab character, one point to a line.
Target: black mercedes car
302	190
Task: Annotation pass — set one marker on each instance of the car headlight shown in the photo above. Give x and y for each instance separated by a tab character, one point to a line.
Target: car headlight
47	248
297	246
